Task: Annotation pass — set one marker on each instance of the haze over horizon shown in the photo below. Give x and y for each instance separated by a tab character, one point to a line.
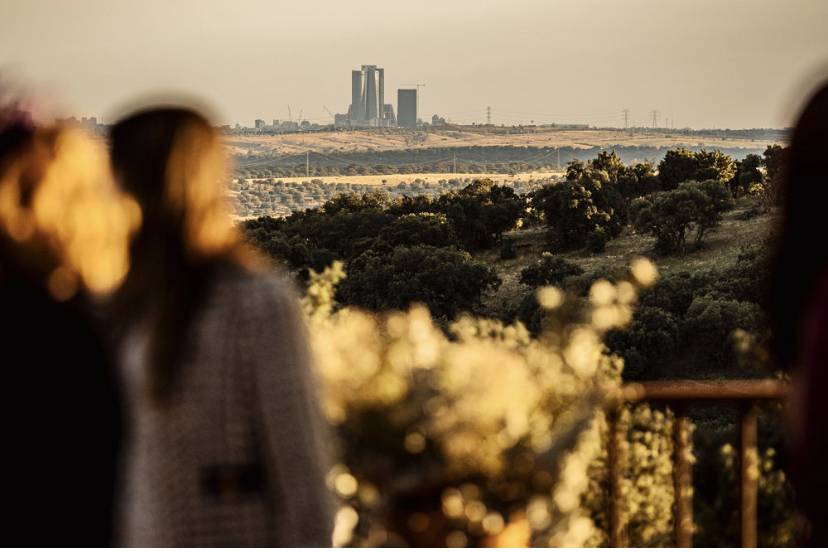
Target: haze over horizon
702	64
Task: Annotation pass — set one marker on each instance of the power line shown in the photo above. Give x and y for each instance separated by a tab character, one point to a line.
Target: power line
626	113
488	116
654	113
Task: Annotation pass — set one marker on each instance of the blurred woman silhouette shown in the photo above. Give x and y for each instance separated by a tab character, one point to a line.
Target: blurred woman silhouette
798	305
224	446
63	234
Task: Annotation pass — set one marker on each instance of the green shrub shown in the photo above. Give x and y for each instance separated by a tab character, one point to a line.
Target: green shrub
548	270
448	281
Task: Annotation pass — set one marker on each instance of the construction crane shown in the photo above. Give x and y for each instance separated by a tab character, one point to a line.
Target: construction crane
331	114
418	85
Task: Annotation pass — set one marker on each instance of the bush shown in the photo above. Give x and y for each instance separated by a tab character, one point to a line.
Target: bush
549	270
708	330
448	281
473	433
507	250
645	346
420	229
597	240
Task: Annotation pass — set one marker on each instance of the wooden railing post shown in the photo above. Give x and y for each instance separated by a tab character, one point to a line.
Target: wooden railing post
682	479
678	394
749	463
617	460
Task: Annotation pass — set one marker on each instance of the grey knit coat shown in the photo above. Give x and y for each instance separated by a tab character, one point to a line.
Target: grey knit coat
235	459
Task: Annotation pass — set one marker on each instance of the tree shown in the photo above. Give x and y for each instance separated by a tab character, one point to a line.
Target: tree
748	173
448	281
714	165
407	205
682	165
670	216
571	211
677	166
774	159
717	201
610	163
548	270
420	229
574	169
637	180
481	212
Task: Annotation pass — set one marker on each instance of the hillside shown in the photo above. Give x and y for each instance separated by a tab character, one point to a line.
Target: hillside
720	250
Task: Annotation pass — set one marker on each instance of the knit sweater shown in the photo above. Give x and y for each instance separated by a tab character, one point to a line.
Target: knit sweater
235	456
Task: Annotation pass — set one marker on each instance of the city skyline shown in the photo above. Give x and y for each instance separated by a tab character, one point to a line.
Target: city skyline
705	64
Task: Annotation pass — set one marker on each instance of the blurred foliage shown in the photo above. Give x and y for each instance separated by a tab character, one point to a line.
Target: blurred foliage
484	435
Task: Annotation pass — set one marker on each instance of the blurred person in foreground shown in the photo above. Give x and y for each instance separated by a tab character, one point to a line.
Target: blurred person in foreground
63	238
798	304
224	445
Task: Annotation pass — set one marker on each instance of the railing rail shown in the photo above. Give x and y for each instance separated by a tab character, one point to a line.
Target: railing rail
678	395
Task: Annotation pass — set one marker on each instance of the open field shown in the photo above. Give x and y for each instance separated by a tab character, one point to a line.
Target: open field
395	139
256	197
393	179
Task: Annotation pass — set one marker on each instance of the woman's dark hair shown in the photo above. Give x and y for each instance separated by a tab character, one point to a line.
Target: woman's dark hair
801	255
172	162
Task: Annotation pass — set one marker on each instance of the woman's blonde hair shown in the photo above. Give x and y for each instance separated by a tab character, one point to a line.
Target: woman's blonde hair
62	220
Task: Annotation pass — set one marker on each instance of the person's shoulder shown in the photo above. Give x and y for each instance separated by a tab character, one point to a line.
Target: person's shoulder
257	288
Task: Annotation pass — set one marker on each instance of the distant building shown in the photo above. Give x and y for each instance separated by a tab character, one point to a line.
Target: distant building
368	108
388	117
90	124
259	124
407	107
341	120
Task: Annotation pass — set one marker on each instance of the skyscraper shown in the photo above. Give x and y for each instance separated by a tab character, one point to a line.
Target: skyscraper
368	106
407	107
357	111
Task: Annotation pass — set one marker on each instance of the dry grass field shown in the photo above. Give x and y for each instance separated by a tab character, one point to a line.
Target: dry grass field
395	139
394	179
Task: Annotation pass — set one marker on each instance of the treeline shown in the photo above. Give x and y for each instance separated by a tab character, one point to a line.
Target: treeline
472	159
410	249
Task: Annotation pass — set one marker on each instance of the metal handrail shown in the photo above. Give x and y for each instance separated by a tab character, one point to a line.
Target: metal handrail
678	394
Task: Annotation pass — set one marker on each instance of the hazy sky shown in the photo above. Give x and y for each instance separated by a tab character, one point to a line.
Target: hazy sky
701	63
